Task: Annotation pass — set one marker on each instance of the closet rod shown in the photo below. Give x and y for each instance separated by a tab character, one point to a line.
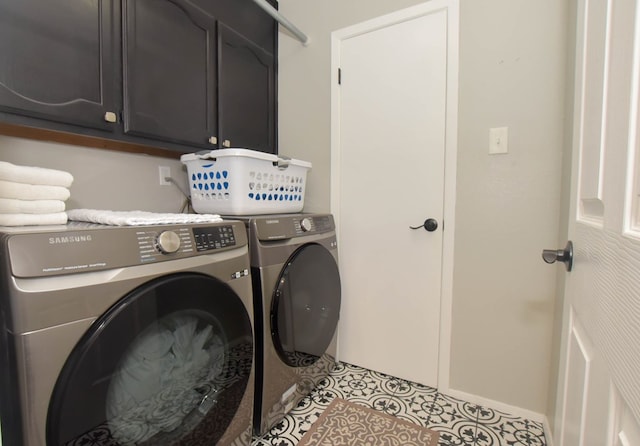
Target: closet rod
302	37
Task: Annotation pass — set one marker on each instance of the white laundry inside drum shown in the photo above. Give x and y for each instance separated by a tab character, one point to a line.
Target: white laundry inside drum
167	374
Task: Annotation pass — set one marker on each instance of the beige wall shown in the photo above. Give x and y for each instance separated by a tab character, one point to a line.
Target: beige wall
512	62
103	179
511	74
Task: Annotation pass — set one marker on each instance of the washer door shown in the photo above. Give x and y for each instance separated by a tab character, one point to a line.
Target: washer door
168	364
306	306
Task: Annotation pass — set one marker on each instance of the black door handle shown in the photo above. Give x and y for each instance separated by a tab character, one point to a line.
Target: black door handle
430	224
560	255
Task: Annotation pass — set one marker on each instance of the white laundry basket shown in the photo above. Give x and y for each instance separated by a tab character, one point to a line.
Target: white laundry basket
245	182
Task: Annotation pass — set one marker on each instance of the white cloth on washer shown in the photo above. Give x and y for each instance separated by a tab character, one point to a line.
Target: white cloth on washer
13	206
56	218
34	175
138	218
22	191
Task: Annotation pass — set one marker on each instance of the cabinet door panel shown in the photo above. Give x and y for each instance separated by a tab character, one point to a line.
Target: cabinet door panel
246	18
247	96
169	76
57	59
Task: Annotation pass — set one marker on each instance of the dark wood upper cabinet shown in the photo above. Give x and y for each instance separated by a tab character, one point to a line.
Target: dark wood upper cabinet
57	60
169	70
182	75
191	78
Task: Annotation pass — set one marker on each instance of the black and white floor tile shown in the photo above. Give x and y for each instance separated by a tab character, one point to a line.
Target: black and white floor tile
460	423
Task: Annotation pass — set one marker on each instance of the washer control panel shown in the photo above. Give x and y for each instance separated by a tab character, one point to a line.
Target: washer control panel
215	237
281	227
80	248
312	224
156	243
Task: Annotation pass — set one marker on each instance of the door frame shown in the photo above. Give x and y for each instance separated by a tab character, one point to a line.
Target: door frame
450	159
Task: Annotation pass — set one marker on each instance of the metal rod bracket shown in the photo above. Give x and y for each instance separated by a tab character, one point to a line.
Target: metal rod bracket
302	37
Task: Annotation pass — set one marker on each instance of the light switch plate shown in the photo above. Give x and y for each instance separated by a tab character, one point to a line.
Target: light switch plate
498	140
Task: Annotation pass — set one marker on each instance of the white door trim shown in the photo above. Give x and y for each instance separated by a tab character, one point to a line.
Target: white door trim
451	135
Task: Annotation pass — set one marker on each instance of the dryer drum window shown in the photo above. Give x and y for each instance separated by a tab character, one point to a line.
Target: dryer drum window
306	306
167	364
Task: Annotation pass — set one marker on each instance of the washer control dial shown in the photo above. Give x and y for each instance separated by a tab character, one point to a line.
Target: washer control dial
168	242
306	224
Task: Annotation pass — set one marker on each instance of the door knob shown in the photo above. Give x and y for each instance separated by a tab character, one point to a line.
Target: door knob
560	255
430	224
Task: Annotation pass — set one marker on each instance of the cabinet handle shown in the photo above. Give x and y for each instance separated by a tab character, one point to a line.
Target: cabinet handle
110	117
226	143
213	140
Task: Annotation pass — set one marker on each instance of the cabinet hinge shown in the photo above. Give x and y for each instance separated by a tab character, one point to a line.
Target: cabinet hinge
339	76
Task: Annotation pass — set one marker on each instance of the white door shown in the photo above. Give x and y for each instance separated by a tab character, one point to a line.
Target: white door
600	380
388	173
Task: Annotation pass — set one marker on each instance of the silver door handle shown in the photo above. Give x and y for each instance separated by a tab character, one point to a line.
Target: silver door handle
560	255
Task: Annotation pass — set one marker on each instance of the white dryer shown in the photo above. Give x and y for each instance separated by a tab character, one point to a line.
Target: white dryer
126	335
297	295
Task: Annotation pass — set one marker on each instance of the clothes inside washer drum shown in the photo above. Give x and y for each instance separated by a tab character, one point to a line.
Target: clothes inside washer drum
166	373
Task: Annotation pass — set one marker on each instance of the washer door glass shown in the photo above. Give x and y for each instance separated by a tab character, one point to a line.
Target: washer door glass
168	364
306	306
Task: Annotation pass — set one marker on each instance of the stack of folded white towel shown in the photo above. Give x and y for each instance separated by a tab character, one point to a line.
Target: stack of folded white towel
33	195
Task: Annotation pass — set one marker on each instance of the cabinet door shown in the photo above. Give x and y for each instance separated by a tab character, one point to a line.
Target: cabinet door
169	72
247	93
57	59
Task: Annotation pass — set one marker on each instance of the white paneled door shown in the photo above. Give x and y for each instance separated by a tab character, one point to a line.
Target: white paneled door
390	145
600	380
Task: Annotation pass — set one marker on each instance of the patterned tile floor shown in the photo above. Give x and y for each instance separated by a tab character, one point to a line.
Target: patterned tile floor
460	423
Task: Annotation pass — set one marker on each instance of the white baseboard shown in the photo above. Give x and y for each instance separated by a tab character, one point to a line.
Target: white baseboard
502	407
507	408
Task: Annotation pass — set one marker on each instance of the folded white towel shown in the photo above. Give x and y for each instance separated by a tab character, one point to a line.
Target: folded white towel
13	206
34	175
20	191
138	218
57	218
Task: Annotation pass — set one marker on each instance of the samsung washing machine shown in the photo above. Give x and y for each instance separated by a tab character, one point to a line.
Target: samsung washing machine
297	296
126	335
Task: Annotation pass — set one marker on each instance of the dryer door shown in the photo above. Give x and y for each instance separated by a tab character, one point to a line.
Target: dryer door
306	306
168	364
